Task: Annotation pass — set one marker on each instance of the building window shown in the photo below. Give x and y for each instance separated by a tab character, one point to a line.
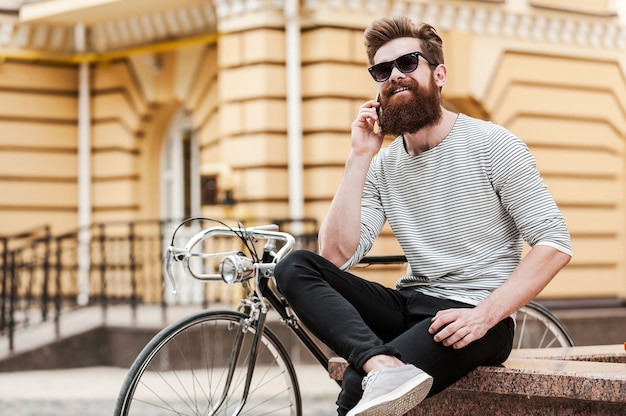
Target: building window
209	190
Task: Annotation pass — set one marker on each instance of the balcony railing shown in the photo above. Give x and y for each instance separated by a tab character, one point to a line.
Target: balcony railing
42	274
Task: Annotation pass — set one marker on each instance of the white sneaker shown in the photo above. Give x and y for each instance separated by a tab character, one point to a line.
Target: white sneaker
392	391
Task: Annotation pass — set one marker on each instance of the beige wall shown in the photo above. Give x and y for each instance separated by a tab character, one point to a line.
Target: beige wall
37	146
556	78
572	117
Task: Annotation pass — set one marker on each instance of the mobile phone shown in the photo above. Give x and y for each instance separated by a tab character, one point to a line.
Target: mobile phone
378	101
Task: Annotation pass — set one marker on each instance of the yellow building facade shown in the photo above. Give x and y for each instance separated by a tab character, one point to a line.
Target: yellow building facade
133	110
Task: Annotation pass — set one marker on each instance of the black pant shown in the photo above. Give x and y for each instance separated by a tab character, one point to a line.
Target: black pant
358	319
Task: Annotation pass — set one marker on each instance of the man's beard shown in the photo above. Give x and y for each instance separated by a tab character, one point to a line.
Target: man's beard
399	115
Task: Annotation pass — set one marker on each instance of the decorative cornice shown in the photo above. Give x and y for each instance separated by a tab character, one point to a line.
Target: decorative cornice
231	8
493	18
498	18
187	20
535	25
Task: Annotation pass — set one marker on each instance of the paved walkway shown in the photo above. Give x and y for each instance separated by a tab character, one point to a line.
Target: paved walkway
92	391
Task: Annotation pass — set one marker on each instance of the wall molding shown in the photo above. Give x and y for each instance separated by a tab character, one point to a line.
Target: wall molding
478	17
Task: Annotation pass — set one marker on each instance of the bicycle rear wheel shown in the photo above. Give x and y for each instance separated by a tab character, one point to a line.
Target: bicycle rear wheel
183	370
537	327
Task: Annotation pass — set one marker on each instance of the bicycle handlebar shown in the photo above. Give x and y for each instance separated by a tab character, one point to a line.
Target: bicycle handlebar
265	232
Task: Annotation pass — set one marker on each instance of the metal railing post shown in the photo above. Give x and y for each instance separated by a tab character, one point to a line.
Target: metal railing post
132	267
45	297
13	296
162	225
5	275
57	297
103	271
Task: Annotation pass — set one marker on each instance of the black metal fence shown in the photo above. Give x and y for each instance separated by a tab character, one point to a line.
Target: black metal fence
44	276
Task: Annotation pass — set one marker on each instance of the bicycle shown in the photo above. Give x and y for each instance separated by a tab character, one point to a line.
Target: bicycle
229	362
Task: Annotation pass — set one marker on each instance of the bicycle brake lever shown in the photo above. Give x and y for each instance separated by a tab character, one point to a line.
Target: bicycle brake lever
169	259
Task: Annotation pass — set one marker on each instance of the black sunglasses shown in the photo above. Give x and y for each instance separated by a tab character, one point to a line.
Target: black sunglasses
405	64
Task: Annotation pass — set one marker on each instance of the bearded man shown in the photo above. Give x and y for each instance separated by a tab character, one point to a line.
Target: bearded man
460	195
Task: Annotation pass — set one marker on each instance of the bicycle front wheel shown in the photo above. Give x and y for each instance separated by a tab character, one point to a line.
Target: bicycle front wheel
537	327
184	370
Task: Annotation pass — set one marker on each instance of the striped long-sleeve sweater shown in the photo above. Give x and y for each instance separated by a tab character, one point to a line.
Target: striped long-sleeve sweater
460	210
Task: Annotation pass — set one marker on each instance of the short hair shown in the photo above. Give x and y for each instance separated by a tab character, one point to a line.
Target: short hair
389	28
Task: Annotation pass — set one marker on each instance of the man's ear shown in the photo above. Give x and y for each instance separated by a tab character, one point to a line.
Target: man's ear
440	73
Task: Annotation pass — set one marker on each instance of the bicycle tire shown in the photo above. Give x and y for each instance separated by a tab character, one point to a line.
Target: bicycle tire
537	327
182	371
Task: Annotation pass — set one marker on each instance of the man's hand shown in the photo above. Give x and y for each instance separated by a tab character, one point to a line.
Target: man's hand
458	328
366	140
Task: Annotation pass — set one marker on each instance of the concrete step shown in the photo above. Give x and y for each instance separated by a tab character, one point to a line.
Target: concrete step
93	336
114	337
594	326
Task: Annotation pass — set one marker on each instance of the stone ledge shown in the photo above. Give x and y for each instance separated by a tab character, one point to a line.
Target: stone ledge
574	381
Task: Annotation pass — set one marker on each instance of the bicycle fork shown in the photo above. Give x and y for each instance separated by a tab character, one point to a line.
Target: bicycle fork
256	317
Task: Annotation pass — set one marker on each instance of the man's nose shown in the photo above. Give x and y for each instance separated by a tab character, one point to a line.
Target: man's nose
396	73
